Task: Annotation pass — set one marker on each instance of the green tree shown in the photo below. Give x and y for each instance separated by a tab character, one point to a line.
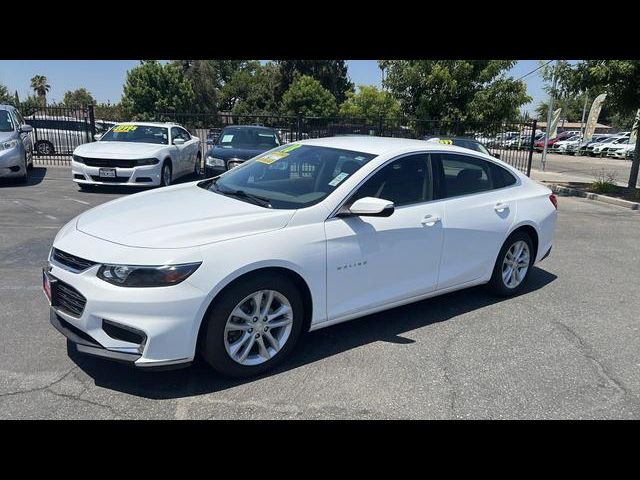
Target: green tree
108	111
152	88
572	108
252	90
40	85
30	105
78	98
308	96
465	90
332	75
5	97
619	79
370	103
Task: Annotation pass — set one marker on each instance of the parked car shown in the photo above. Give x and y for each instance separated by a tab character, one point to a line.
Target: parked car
579	149
16	144
561	146
137	154
464	142
304	236
600	149
621	151
538	146
238	143
57	134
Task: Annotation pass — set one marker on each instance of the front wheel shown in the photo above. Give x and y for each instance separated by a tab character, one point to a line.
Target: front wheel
253	326
513	265
165	175
24	179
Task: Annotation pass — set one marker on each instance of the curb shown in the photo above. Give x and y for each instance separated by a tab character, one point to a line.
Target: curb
572	192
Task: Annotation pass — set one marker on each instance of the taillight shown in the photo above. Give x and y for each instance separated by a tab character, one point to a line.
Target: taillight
554	200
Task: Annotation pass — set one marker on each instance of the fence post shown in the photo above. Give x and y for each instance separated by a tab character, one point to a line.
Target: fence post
299	121
533	137
92	122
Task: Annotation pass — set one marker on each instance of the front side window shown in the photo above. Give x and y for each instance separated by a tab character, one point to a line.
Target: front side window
292	176
137	134
404	181
463	175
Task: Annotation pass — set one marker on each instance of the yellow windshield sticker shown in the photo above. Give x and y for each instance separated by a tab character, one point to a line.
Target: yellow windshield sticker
124	128
291	147
446	141
272	157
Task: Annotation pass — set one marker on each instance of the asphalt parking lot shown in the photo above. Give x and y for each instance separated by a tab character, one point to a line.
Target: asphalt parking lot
569	347
583	168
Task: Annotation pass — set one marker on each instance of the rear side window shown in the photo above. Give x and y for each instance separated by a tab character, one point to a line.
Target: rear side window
463	175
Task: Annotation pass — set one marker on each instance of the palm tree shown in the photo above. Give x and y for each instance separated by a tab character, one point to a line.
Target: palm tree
40	85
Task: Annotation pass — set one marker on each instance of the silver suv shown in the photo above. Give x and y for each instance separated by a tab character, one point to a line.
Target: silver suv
16	144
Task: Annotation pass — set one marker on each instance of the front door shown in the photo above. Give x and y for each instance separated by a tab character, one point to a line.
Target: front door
372	261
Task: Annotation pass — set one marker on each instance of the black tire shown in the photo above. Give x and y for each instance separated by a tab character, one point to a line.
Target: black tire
197	166
496	285
212	346
24	179
163	182
44	147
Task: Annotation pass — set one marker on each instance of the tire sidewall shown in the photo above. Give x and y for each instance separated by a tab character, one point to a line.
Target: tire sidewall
497	283
166	165
213	348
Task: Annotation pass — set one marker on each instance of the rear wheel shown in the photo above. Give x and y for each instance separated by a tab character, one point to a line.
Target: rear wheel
253	326
44	147
513	265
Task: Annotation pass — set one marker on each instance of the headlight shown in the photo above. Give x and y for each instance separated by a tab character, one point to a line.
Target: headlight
141	276
214	162
78	158
9	144
147	161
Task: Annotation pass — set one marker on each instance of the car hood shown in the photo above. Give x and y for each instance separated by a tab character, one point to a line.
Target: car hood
118	149
241	153
180	216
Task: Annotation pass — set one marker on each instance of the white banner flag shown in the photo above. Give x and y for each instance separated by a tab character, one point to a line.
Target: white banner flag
553	130
634	129
594	113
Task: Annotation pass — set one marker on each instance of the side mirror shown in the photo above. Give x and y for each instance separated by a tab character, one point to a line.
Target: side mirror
370	207
97	136
26	129
178	141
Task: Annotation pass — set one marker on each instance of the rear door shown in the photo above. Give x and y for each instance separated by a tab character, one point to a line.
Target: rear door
479	209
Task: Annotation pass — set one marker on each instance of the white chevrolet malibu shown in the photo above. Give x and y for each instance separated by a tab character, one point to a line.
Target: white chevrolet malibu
304	236
137	154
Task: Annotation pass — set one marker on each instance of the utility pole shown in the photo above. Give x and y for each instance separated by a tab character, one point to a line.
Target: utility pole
546	137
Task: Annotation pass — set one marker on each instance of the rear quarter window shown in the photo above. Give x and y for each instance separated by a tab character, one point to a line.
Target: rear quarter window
501	176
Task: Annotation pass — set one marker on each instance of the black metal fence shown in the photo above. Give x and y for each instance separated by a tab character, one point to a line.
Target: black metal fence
58	130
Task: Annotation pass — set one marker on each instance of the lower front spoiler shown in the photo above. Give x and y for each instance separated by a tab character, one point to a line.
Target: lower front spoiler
85	344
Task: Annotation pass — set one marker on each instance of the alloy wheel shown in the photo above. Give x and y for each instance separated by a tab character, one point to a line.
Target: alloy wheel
515	264
258	327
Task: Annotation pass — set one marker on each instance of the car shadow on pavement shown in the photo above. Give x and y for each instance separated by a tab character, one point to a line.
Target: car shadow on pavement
201	379
37	175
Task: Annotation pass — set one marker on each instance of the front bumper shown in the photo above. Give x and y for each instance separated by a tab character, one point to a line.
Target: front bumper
168	319
213	171
11	162
145	175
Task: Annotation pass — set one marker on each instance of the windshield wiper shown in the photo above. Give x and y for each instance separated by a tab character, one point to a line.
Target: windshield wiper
262	201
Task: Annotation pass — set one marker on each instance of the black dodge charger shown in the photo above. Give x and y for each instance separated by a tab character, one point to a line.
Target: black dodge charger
238	143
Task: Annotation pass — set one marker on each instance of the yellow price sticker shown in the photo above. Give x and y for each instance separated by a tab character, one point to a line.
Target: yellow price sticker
291	147
446	141
124	128
272	157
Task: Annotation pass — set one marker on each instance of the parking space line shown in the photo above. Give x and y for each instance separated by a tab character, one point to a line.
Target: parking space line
78	201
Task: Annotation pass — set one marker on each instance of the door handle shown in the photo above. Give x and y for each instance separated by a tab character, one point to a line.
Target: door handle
501	207
430	220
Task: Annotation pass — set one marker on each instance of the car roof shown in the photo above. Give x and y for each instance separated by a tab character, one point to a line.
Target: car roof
7	107
251	126
151	124
379	145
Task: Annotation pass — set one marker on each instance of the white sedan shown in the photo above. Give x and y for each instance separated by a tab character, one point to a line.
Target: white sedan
304	236
137	154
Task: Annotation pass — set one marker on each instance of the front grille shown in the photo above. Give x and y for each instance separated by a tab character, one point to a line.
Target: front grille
110	162
97	178
71	261
69	300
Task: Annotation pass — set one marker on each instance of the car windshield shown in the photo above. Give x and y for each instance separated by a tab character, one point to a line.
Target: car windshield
292	176
6	123
137	133
242	137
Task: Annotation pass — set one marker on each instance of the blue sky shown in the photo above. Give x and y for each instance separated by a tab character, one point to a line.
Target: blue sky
104	78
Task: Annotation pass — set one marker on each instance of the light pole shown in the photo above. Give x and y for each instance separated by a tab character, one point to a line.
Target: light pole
550	109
